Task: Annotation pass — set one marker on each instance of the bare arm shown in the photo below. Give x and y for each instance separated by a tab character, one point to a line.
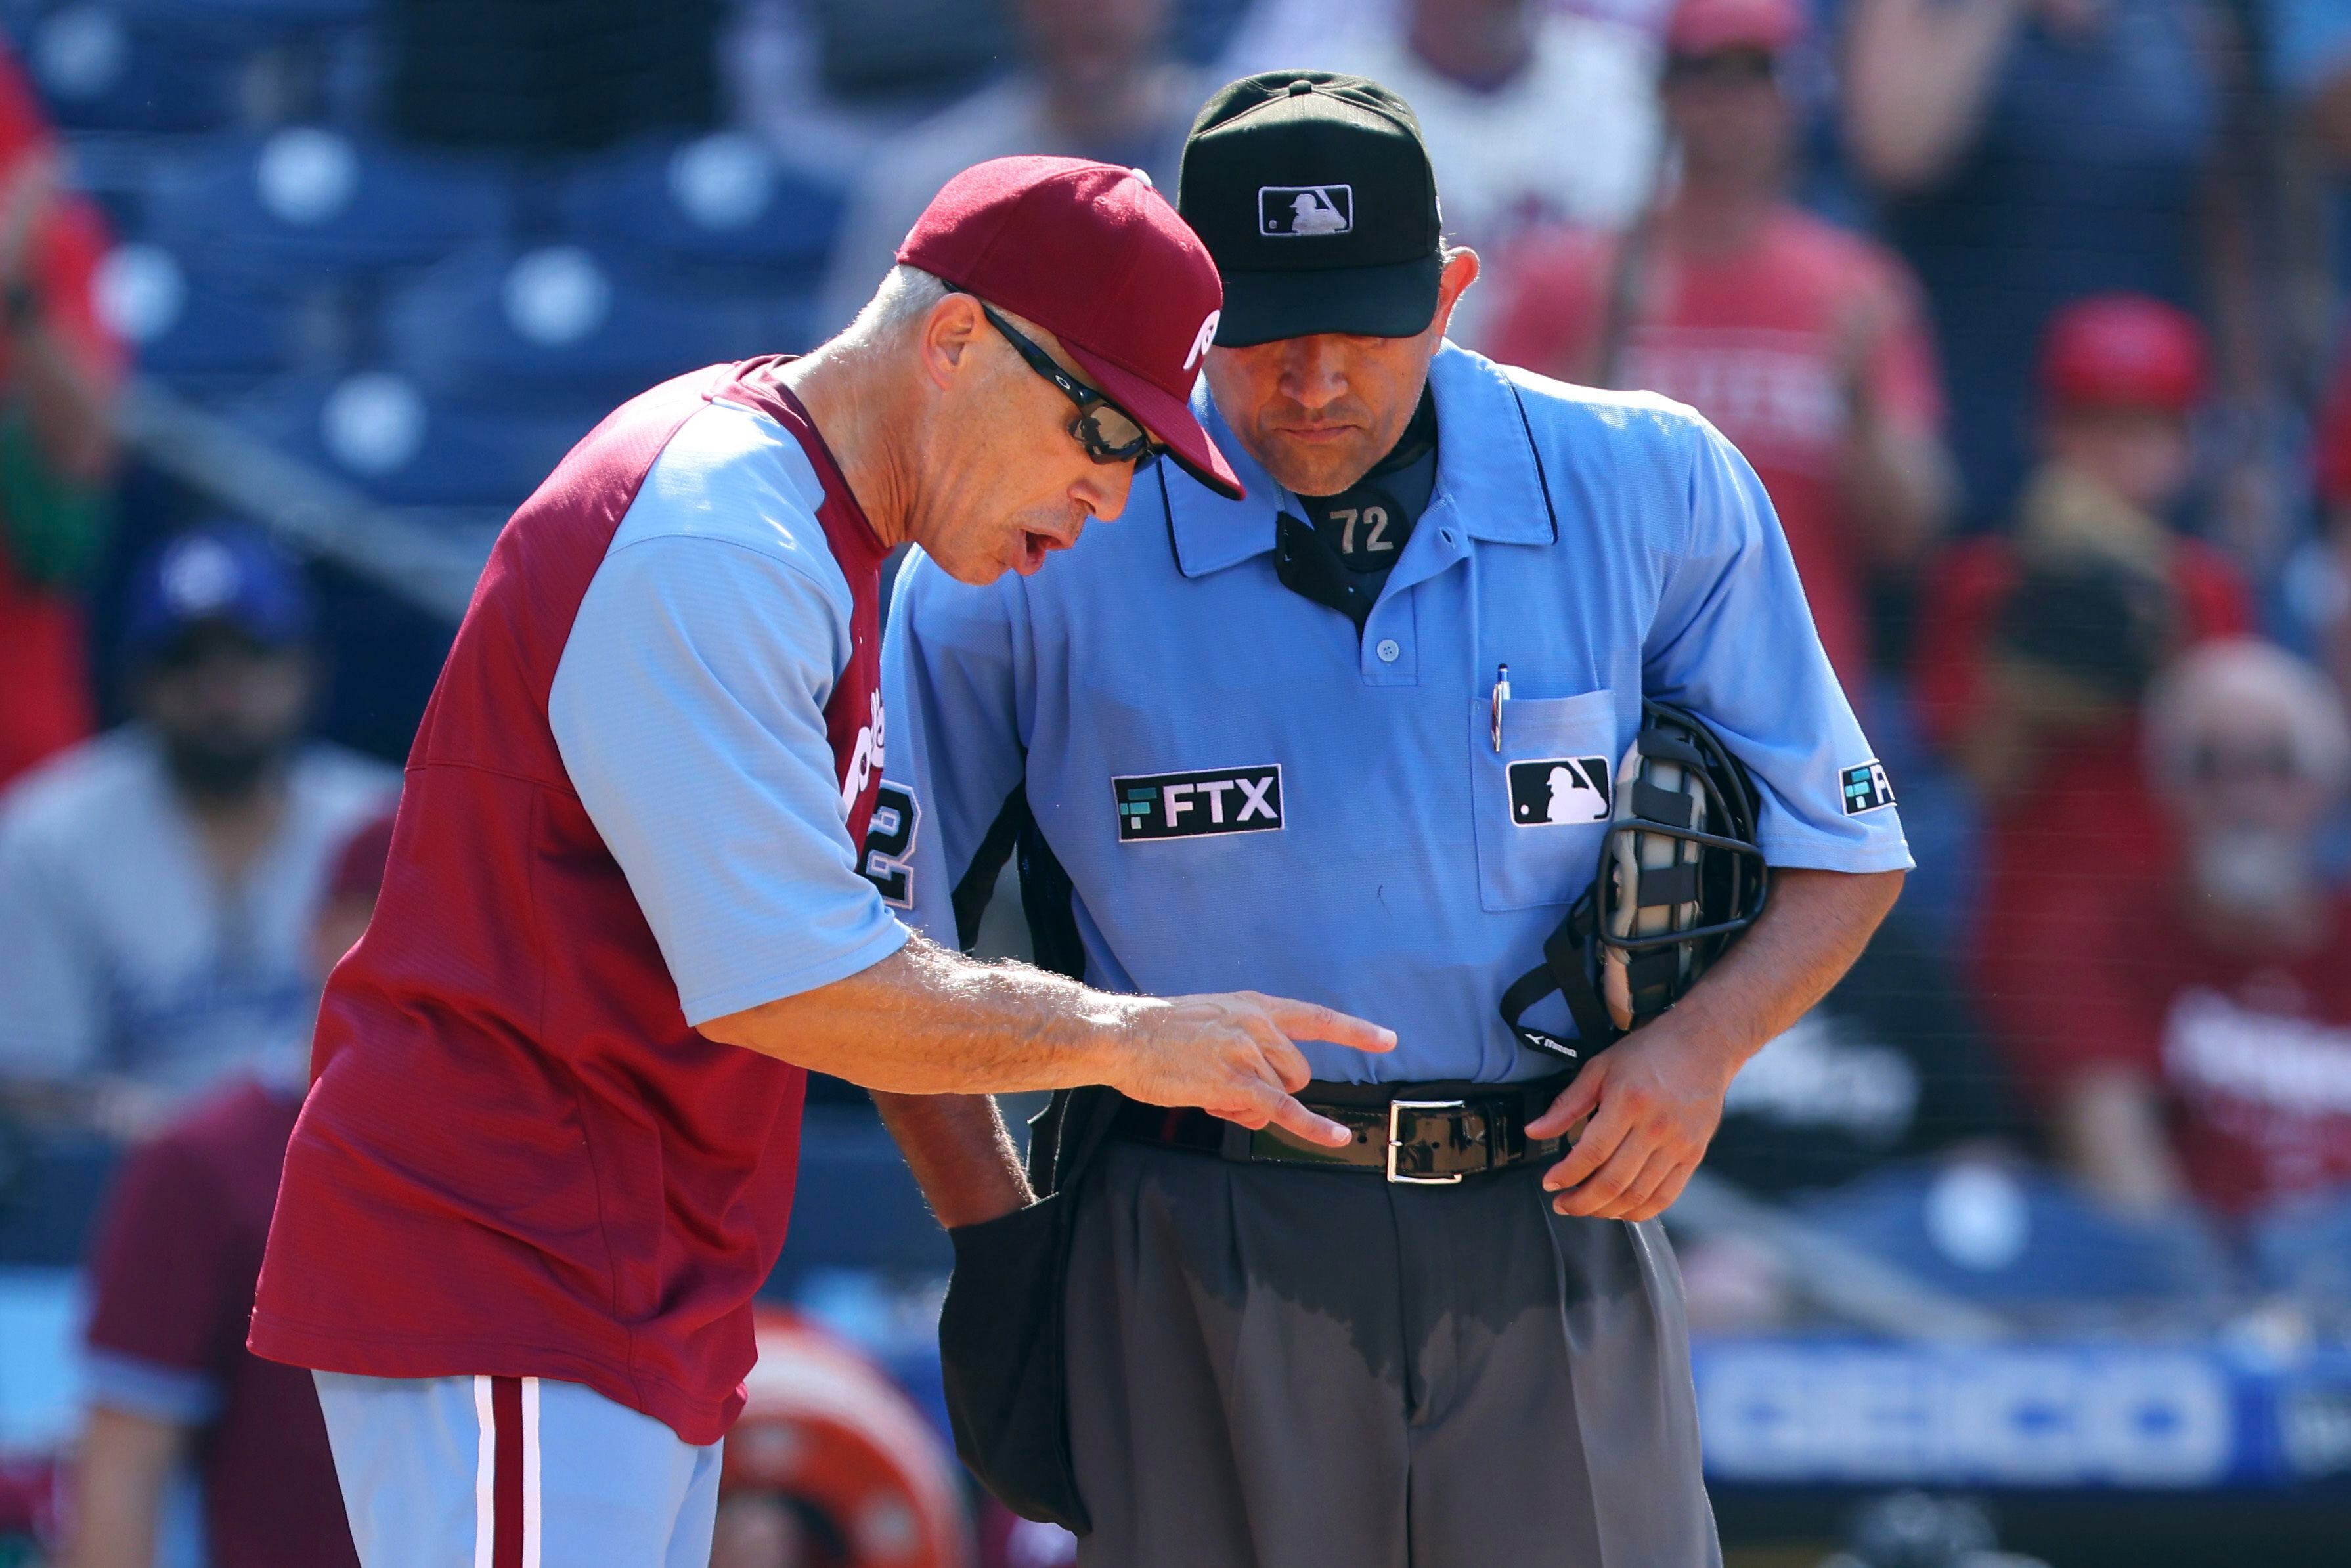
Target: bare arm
961	1153
1656	1097
928	1021
118	1483
67	401
1898	486
2110	1133
1918	74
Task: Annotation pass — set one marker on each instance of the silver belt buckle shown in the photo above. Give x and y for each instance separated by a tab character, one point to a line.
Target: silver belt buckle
1395	1126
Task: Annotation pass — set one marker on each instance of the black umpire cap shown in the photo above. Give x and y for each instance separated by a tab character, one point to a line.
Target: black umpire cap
1313	192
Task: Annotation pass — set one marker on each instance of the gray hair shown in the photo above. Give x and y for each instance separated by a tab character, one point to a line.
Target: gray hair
2239	676
905	298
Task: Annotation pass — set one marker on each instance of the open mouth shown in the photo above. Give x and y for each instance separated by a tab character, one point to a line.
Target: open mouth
1034	548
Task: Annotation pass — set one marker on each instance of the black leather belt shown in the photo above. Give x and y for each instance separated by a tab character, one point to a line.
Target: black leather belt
1431	1135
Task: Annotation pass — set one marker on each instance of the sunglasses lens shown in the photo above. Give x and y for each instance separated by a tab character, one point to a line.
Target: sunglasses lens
1110	435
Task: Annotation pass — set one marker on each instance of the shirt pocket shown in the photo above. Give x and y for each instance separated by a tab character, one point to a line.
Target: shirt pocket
1542	802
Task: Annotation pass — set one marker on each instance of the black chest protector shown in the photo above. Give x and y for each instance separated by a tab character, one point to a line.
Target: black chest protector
1341	555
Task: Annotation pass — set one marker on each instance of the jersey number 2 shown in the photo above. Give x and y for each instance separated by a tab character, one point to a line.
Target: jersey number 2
888	861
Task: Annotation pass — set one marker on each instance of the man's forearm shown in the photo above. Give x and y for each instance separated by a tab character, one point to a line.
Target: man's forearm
126	1460
928	1021
1814	924
961	1153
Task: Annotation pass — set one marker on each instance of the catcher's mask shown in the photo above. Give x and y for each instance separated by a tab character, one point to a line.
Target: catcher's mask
1679	878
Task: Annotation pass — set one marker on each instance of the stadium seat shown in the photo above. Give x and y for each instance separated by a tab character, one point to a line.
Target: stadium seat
719	208
558	320
2022	1238
305	203
380	433
215	15
115	67
189	327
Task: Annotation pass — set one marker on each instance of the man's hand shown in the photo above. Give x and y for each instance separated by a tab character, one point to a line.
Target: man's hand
1232	1055
1655	1100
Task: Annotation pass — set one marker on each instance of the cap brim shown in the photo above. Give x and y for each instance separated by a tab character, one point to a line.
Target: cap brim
1394	301
1166	416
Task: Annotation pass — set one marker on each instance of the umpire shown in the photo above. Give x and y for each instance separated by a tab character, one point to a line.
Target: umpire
1354	739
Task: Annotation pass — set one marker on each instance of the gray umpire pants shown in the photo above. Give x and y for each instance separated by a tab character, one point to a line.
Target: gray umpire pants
1279	1368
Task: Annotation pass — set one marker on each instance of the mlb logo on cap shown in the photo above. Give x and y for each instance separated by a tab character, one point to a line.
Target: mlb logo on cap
1293	211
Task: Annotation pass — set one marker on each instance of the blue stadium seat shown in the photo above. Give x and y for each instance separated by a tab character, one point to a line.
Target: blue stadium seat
558	319
2020	1239
380	433
305	203
264	14
105	66
190	327
720	209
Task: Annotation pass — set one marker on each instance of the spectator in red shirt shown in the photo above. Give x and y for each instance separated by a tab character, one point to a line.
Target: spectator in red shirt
58	370
2035	649
2204	1049
172	1285
1805	344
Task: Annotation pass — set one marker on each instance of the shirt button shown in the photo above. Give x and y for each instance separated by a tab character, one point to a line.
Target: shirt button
1389	650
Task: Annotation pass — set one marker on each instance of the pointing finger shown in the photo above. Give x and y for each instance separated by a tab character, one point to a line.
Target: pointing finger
1289	1114
1311	1021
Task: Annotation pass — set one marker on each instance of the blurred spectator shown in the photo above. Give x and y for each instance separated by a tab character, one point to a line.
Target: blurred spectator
830	1467
2034	650
2308	44
1533	114
2031	151
1890	1065
1099	84
172	1277
1803	343
2326	599
157	883
58	367
2203	1046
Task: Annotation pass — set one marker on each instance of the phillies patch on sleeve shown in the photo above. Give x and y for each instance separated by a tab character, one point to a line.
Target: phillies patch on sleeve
1865	787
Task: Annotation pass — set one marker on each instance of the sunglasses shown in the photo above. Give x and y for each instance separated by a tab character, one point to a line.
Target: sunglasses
2275	763
1107	432
1722	67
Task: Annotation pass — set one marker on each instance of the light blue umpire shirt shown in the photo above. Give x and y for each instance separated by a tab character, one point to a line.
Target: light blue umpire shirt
1245	795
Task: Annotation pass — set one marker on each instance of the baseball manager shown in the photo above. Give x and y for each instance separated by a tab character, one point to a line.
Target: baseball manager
548	1154
1356	738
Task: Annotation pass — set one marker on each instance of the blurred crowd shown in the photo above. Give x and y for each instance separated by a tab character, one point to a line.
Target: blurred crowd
2027	312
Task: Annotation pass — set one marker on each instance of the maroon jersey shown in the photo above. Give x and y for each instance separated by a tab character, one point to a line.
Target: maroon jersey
517	1158
171	1284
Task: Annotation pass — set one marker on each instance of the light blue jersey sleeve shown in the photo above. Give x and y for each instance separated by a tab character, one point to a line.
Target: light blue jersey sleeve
1733	641
954	678
52	976
689	711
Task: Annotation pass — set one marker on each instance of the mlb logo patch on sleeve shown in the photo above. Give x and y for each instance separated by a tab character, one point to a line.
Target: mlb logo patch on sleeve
1192	805
1865	787
1559	790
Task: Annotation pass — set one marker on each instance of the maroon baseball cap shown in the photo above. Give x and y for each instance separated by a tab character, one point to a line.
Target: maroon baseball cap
1096	257
1709	27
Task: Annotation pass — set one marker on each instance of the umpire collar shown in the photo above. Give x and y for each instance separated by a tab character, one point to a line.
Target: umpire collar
1487	472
